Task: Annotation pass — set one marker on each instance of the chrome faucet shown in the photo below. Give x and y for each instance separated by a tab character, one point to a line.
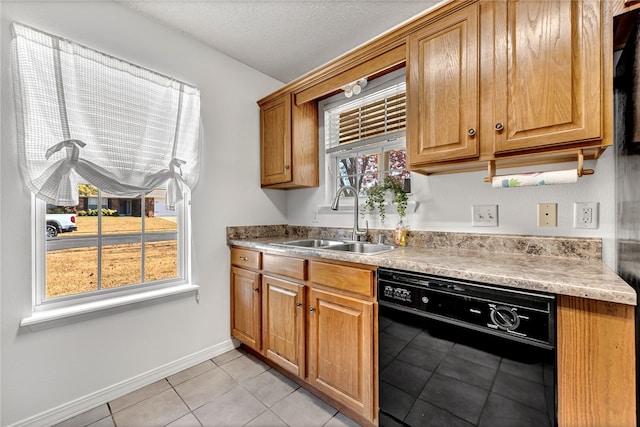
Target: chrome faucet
357	232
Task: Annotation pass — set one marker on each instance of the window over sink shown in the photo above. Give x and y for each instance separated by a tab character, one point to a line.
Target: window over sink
365	137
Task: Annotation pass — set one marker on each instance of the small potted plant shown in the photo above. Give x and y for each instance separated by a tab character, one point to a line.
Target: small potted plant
377	197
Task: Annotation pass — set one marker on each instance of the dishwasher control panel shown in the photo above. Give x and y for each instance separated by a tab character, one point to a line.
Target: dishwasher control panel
512	313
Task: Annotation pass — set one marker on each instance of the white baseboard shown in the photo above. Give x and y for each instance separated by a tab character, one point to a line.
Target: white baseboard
90	401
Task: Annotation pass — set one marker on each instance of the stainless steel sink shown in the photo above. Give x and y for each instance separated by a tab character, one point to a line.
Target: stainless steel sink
362	248
338	245
312	243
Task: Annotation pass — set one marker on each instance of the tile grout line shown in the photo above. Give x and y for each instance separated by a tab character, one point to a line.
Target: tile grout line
113	419
183	401
216	366
296	387
269	368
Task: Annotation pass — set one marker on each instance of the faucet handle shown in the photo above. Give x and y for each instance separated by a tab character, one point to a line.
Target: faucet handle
357	232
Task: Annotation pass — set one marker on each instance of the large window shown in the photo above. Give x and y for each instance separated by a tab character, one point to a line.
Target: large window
110	151
365	138
127	244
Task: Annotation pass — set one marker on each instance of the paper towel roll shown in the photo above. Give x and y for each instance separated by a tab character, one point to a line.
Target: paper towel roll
569	176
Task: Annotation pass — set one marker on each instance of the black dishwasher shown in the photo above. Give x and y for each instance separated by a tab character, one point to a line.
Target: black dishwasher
459	353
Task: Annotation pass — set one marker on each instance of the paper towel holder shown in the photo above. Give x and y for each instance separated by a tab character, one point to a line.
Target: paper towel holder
581	170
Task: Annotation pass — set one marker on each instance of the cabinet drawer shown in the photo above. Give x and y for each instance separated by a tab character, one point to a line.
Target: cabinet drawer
245	258
286	266
350	279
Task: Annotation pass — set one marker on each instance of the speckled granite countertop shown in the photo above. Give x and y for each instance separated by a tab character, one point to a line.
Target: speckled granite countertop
581	273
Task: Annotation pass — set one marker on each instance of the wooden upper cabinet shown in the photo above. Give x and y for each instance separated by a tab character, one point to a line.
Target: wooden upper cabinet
510	82
547	70
515	82
442	100
620	7
288	143
275	141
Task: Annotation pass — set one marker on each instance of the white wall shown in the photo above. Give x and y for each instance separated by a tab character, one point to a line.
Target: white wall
56	367
1	207
444	204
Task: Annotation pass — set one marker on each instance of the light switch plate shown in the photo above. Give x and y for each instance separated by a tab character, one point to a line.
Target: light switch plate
547	214
484	215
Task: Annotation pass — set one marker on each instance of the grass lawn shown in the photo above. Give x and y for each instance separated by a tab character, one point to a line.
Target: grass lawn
73	271
88	225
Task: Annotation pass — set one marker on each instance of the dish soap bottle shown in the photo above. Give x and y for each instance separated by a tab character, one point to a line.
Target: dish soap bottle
400	235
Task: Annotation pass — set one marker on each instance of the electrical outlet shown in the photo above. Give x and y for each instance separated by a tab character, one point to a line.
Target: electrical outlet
547	214
315	216
585	215
484	215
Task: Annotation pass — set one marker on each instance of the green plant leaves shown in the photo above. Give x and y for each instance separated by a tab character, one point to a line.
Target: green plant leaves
376	197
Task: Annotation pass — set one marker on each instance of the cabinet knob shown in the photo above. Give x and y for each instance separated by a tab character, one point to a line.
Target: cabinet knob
312	309
286	167
256	289
298	304
499	126
471	132
244	258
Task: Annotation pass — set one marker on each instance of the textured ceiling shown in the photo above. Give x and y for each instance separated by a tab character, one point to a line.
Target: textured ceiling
283	39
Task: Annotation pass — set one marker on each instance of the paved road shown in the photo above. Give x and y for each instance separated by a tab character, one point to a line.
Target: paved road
69	242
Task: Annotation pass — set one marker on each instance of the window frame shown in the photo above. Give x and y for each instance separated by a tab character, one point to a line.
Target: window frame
382	145
381	149
108	297
46	66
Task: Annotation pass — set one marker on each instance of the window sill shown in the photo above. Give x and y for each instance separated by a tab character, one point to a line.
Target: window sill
346	207
51	317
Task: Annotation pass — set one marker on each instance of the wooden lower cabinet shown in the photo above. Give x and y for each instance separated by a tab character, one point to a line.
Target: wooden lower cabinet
341	349
596	363
283	320
245	307
323	329
313	319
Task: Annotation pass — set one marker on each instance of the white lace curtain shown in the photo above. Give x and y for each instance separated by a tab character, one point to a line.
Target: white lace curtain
84	116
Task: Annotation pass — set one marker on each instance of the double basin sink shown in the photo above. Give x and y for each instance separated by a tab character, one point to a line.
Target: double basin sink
338	245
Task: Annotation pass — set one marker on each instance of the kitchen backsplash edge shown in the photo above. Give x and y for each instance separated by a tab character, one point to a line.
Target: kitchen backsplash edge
587	248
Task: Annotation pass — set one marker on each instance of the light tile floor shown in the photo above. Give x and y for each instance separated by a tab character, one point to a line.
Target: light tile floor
233	389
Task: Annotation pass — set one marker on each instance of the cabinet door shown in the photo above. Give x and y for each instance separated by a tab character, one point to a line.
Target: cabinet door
275	141
596	363
548	70
245	306
341	349
283	323
442	100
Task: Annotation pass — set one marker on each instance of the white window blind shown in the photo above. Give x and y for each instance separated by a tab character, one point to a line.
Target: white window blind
380	116
84	114
365	138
